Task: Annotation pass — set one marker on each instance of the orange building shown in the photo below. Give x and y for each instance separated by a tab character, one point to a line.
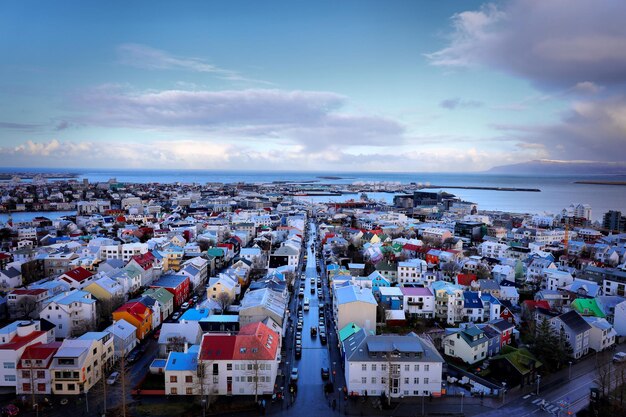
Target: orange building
136	313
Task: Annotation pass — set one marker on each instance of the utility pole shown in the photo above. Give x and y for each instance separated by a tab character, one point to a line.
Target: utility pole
463	396
538	381
104	386
570	371
123	375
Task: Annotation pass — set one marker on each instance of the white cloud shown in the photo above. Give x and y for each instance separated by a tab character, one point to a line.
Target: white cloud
146	57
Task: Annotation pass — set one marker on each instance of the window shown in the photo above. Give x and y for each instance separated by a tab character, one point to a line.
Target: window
363	380
374	367
9	365
406	392
41	387
189	391
41	374
188	378
58	387
25	374
173	378
425	380
383	367
216	379
26	387
174	391
383	380
416	368
426	368
229	366
416	381
373	380
364	367
407	368
406	380
236	367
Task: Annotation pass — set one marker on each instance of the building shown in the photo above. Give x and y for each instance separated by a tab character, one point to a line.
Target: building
76	367
33	369
164	298
352	304
419	302
614	221
77	278
470	344
242	364
73	312
577	331
602	334
137	314
14	339
178	285
398	366
124	337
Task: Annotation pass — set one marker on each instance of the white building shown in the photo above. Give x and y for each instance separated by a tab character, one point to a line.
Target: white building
398	366
14	339
73	313
469	344
602	334
411	271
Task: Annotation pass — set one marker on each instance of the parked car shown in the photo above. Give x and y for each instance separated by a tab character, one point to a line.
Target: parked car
113	378
298	352
157	334
185	306
313	331
298	335
132	357
195	298
176	316
619	357
294	374
325	373
323	337
299	325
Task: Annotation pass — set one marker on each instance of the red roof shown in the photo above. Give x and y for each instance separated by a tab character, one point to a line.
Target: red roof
255	341
39	351
4	256
532	304
466	279
20	341
134	307
145	260
28	292
410	247
79	274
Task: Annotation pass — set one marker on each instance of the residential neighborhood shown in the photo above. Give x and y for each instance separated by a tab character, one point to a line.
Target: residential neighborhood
217	297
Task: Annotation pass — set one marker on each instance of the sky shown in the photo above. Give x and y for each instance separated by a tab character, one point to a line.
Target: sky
450	86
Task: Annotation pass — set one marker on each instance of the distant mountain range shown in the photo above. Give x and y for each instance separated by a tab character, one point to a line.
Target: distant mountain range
551	167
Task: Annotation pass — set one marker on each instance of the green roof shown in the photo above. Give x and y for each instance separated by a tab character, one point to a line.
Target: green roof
520	358
350	329
215	252
587	307
162	295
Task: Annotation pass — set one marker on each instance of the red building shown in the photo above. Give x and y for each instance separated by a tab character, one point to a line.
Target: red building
178	285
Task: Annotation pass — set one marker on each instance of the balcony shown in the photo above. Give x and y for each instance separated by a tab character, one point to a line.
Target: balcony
416	304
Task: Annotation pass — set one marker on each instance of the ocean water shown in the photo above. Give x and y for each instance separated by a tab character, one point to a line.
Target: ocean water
557	192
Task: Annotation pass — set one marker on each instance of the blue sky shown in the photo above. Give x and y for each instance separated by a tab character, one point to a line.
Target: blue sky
350	85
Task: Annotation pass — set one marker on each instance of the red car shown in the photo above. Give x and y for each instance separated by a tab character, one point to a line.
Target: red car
10	410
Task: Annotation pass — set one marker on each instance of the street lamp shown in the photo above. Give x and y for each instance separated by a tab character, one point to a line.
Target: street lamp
570	371
538	381
462	396
503	391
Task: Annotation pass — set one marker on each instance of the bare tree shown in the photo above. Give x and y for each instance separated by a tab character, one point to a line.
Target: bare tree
206	391
106	307
224	300
175	344
450	268
26	308
83	326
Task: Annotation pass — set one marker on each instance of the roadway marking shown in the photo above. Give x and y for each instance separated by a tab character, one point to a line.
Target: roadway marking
525	397
537	401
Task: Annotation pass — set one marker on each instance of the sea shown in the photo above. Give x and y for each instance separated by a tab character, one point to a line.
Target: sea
556	191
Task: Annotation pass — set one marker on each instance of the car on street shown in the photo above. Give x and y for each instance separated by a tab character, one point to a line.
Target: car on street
195	298
298	352
157	334
323	337
319	294
298	335
176	316
185	306
325	373
294	374
313	331
299	325
132	357
113	378
301	293
619	357
312	290
322	321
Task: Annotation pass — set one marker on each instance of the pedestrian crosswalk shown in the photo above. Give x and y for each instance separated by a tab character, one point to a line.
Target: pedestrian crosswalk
545	405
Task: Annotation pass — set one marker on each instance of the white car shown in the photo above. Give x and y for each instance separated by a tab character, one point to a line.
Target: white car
112	378
185	306
619	357
294	374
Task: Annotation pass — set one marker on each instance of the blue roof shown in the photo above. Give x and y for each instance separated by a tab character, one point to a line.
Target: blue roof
182	361
73	297
472	300
158	363
170	281
195	314
94	335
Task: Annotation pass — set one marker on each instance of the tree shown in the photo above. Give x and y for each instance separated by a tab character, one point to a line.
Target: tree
451	268
83	326
550	346
26	308
106	307
224	300
206	391
175	344
483	271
